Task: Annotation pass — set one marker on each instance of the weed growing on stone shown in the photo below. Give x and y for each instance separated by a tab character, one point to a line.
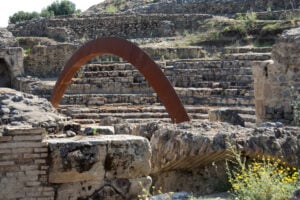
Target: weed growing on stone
111	9
27	51
264	178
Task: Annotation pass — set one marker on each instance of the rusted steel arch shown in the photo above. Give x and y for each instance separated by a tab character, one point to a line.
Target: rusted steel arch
134	55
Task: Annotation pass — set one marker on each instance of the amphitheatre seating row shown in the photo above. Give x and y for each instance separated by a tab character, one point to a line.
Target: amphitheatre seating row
102	89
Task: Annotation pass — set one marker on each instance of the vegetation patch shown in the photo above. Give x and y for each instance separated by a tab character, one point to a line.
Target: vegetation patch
263	178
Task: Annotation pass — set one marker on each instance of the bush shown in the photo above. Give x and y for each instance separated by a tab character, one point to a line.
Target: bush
262	179
22	16
63	7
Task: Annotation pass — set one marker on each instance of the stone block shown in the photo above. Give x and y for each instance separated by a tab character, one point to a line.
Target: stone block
267	92
259	108
28	138
99	167
5	138
226	115
97	157
105	189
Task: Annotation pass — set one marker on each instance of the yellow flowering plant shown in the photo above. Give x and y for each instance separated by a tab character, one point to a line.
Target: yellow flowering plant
263	178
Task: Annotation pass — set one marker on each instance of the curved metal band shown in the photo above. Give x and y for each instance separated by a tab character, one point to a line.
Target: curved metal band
134	55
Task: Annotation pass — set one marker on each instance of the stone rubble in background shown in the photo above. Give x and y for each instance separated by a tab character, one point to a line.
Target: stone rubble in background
277	81
226	115
21	109
7	39
218	7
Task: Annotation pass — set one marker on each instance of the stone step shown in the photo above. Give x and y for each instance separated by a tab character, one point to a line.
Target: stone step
244	85
207	64
160	53
218	101
101	99
247	49
91	118
198	96
241	84
134	74
248	56
178	64
208	92
169	53
142	114
140	119
139	81
155	108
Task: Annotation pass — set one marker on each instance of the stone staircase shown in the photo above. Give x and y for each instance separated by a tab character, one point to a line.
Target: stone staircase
117	89
108	86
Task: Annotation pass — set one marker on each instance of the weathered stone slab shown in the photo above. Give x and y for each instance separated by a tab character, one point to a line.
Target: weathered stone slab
226	115
98	167
97	157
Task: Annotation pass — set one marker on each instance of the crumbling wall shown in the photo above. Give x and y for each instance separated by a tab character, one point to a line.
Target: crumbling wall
47	61
84	28
212	6
277	82
11	63
23	164
43	155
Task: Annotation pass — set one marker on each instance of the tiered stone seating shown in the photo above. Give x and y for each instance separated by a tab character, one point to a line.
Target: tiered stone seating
102	89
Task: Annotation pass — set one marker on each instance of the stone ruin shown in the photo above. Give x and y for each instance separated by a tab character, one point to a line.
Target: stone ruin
11	59
111	138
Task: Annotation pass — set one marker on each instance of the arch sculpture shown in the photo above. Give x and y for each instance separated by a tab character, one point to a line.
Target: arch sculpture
134	55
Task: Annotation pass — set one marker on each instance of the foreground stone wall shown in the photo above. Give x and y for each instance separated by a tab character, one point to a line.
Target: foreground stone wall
23	164
98	167
84	28
277	82
191	156
44	156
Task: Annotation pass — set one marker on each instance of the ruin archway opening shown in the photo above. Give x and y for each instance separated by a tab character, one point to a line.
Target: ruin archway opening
5	75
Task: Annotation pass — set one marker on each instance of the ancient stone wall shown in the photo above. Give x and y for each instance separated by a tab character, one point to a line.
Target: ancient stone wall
23	164
84	28
45	156
11	65
277	82
195	6
214	6
45	61
48	61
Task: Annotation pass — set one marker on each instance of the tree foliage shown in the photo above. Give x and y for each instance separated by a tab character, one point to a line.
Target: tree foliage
22	16
63	7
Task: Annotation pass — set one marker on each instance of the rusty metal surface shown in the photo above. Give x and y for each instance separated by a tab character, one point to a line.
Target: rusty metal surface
134	55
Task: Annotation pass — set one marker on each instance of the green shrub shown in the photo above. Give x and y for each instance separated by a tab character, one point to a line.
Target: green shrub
22	16
63	7
27	51
111	9
262	179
